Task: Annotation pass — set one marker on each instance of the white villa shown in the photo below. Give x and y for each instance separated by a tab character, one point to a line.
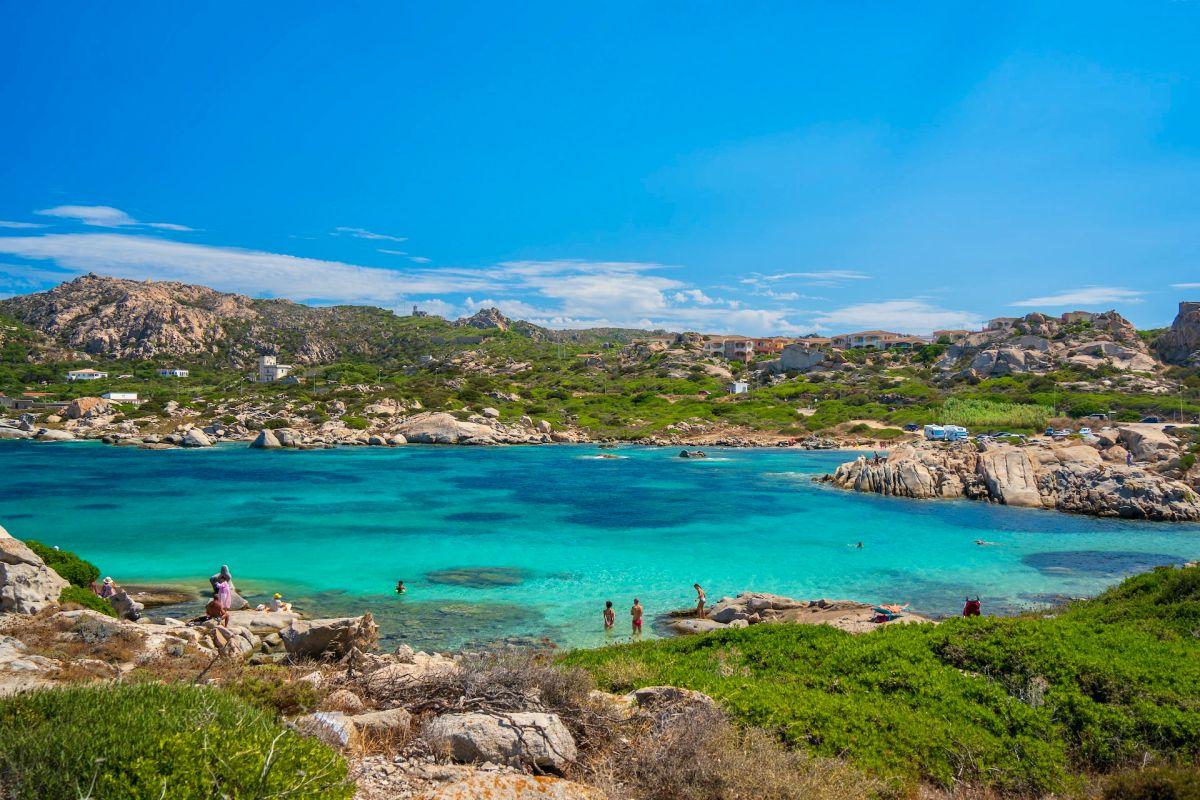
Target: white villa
174	372
739	387
86	375
270	370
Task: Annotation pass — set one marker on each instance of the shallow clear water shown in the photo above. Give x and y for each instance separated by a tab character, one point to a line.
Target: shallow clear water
335	529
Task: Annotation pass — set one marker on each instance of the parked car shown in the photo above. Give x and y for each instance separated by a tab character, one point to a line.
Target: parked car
1085	431
912	426
1049	430
1151	419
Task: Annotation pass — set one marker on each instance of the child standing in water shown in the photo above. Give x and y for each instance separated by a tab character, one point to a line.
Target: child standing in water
636	613
610	616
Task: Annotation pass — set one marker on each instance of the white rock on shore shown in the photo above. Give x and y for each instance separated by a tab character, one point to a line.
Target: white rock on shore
27	585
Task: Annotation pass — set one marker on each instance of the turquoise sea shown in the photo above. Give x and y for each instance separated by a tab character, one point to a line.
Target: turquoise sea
496	543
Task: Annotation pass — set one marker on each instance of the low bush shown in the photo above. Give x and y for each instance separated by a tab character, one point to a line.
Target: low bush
274	689
356	423
276	423
78	597
68	565
150	741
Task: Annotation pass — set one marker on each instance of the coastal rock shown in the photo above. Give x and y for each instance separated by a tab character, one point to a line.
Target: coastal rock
388	723
14	433
442	428
1072	478
266	440
196	438
52	435
27	585
1147	442
329	638
85	408
512	787
345	701
125	606
518	738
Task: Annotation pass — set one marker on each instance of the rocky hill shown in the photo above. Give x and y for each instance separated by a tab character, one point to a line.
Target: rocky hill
125	319
1039	343
1181	342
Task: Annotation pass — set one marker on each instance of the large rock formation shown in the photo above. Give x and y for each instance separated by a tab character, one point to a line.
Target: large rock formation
1181	343
27	585
442	428
517	738
329	638
1071	478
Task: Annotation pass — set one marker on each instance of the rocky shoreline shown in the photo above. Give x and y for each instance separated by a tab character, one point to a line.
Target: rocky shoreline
1132	472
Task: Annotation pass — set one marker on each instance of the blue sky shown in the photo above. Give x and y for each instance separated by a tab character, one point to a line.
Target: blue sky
728	167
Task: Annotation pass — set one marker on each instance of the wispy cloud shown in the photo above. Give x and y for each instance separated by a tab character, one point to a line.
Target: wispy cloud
913	315
106	217
419	259
832	278
363	233
1085	296
5	223
1185	285
385	251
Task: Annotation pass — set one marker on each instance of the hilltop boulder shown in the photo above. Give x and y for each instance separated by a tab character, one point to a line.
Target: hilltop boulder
1181	343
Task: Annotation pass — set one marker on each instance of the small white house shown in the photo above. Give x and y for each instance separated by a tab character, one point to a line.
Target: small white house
739	387
86	375
172	373
270	370
121	397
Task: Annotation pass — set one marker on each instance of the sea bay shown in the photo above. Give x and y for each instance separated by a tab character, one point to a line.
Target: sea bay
496	543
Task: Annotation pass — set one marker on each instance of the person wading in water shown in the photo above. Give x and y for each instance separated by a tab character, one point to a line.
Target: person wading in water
636	613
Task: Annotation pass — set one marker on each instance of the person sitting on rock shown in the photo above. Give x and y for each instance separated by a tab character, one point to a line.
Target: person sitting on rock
214	610
108	589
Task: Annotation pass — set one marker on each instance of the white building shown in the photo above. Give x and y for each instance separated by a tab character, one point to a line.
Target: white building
270	370
739	387
86	375
172	373
121	397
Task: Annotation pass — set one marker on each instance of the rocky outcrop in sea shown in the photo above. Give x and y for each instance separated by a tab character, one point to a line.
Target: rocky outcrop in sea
1075	477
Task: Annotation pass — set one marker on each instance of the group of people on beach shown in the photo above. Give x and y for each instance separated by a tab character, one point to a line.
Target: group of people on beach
223	599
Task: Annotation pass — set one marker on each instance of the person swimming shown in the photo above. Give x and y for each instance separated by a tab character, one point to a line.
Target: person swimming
400	587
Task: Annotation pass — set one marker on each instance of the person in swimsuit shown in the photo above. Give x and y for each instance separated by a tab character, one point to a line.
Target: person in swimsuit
400	588
636	613
610	616
973	607
699	600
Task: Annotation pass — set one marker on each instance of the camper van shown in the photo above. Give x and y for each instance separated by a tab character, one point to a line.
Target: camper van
935	433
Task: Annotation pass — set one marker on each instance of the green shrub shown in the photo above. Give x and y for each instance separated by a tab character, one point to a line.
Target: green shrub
970	412
149	741
356	423
85	598
68	565
272	689
276	423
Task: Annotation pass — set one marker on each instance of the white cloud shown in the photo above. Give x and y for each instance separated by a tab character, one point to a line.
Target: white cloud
4	223
106	217
820	275
363	233
904	316
1086	296
692	296
392	252
419	259
1185	285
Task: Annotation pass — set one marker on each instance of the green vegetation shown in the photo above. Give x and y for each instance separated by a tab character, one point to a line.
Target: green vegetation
275	690
151	741
68	565
1023	705
971	412
85	598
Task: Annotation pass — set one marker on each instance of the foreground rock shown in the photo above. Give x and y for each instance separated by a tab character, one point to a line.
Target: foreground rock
27	585
525	738
1072	477
329	638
